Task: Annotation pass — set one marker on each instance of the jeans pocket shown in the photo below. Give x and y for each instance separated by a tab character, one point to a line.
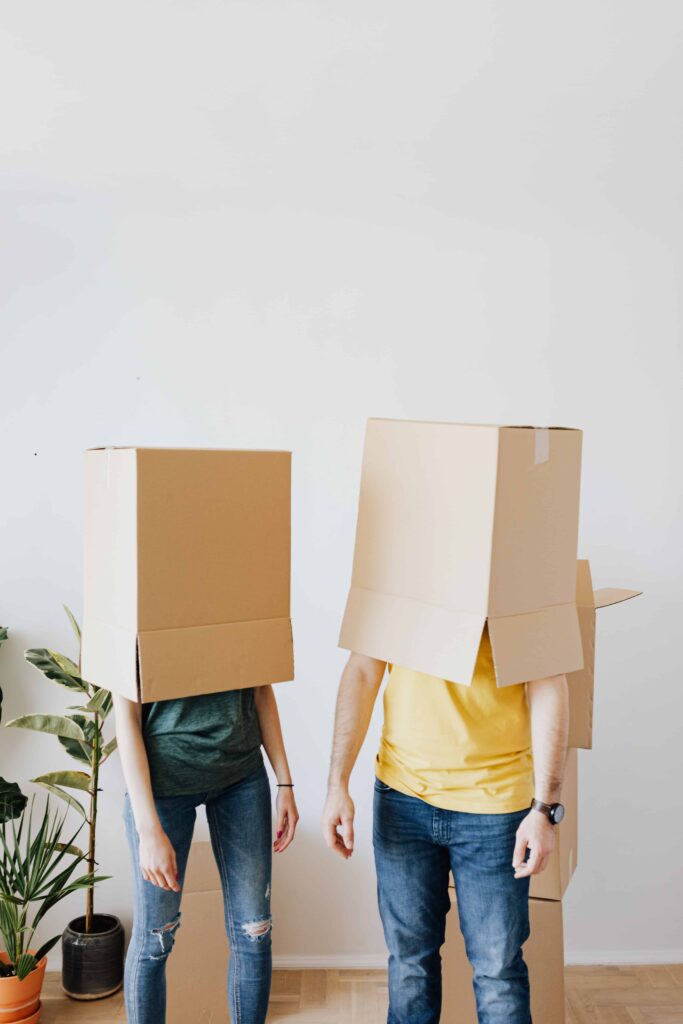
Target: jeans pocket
381	787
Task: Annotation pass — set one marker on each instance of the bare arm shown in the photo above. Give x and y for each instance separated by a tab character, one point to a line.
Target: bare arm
157	856
358	689
273	743
549	710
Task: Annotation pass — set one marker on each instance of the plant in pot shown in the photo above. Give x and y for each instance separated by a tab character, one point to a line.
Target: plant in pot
36	871
12	800
92	944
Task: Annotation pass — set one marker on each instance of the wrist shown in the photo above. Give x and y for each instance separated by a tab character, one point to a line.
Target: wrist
150	830
338	784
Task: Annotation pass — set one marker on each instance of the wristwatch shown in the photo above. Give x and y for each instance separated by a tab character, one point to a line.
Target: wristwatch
553	812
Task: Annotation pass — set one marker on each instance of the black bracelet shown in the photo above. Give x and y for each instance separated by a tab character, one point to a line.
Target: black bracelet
289	785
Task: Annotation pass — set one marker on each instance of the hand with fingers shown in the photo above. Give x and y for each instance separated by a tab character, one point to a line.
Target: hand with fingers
287	818
337	821
536	834
158	860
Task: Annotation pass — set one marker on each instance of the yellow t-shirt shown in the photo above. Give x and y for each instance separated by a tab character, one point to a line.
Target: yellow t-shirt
463	748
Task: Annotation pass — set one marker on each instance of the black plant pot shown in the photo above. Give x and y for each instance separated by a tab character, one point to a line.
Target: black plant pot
92	962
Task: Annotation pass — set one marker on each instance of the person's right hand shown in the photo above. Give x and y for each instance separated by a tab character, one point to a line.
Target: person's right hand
338	816
158	860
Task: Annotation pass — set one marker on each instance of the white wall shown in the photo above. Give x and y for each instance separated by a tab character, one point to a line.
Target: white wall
257	223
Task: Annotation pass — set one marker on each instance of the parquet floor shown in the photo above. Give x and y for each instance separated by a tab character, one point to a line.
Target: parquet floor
594	995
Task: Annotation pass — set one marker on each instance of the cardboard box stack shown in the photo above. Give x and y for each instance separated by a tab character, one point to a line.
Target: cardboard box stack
187	591
458	526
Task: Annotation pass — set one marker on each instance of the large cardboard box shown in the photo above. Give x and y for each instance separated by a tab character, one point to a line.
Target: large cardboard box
552	882
544	955
459	525
196	971
186	570
582	681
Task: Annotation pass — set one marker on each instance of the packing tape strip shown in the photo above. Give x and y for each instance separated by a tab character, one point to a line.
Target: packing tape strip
541	445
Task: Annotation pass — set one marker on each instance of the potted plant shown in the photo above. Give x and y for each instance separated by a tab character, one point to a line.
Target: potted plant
92	944
12	800
36	872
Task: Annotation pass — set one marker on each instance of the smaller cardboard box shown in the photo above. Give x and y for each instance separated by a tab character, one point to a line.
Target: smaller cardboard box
544	955
196	972
582	681
186	570
552	882
459	525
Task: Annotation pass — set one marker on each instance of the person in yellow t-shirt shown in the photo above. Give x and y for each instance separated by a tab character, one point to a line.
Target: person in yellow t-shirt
467	780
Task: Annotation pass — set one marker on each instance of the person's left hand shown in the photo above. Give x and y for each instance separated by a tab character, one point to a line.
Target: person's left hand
287	817
536	833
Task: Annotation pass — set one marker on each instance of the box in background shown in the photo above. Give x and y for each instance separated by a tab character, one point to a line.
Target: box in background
459	525
196	971
552	882
582	681
186	570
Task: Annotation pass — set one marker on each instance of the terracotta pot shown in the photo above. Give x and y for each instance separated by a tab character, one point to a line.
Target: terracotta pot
20	1000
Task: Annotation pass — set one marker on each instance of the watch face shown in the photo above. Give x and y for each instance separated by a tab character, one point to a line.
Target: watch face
558	813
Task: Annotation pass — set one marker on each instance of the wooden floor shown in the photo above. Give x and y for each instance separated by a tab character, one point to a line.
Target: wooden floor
595	995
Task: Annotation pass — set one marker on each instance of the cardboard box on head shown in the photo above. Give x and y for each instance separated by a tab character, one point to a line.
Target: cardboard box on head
462	524
581	682
186	570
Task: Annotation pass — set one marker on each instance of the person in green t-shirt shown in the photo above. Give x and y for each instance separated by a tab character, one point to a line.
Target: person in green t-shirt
177	754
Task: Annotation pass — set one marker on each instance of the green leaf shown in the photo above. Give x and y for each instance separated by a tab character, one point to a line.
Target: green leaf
110	747
12	800
57	725
26	962
81	750
46	947
98	700
57	667
63	795
74	780
70	848
74	624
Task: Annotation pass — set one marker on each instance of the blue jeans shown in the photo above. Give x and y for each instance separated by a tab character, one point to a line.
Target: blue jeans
416	847
239	818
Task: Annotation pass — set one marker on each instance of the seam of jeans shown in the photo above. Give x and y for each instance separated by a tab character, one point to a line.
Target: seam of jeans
213	825
141	908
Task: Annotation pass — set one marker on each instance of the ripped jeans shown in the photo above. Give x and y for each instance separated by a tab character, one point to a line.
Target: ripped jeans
239	818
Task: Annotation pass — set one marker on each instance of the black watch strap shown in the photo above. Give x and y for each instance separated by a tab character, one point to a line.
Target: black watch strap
553	812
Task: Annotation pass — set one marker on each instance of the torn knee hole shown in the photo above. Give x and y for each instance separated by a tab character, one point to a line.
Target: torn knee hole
257	929
165	935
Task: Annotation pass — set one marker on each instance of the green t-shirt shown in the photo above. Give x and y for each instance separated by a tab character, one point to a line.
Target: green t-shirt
196	744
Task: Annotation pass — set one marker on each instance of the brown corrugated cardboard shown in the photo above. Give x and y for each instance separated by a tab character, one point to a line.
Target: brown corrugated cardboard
196	980
186	570
581	682
544	956
552	882
460	524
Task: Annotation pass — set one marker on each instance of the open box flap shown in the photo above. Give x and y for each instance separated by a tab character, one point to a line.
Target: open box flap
108	656
536	645
613	595
424	637
209	659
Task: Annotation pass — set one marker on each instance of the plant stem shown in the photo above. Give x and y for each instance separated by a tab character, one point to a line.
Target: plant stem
94	775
